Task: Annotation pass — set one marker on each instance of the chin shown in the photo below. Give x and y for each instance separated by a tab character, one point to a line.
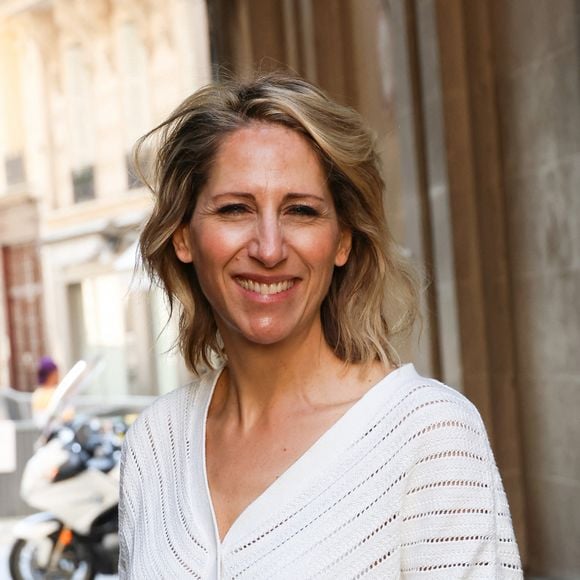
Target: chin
265	338
266	334
267	331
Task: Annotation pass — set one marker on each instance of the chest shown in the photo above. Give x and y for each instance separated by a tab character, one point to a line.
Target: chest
241	467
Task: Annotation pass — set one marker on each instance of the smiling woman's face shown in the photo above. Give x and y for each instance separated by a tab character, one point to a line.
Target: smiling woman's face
264	237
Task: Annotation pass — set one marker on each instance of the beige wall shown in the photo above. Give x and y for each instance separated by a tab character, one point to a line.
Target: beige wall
538	72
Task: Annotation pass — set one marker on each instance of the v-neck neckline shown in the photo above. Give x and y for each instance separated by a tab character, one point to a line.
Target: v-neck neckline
299	474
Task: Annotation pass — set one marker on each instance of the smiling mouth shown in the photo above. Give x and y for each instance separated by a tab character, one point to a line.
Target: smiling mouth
265	289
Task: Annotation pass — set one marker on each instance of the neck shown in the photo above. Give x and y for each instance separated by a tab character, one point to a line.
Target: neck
262	378
262	381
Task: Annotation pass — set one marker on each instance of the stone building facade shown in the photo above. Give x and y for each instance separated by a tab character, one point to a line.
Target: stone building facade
80	82
476	106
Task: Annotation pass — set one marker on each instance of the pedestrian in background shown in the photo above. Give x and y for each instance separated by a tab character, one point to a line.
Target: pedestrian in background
304	448
48	378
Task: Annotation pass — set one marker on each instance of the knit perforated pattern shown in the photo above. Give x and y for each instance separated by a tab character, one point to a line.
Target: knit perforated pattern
414	494
158	537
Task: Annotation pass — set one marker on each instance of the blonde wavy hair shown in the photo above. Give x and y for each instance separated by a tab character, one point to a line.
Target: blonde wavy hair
372	299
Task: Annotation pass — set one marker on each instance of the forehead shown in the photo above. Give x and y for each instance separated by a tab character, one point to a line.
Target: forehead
260	131
268	151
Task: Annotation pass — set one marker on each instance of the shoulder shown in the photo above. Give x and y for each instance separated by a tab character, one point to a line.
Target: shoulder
451	484
431	400
428	398
427	414
441	443
164	407
174	409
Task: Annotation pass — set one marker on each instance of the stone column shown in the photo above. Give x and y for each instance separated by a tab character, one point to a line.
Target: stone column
477	201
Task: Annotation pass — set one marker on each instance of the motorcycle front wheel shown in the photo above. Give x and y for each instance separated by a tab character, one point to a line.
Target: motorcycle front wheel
24	564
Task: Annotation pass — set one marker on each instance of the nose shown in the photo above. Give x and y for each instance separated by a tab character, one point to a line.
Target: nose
268	244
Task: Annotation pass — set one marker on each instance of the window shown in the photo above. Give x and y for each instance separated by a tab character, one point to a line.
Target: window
83	184
12	126
81	124
135	94
14	167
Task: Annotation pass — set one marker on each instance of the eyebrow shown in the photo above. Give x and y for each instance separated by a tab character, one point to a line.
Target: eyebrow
250	196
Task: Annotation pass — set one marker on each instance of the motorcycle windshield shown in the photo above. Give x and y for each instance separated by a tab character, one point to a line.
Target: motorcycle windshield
67	389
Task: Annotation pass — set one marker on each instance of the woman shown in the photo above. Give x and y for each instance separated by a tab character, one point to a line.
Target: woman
303	449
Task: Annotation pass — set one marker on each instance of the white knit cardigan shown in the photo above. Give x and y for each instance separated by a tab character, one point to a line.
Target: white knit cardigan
404	485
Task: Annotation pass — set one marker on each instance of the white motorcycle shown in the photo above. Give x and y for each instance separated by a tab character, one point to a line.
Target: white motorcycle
74	476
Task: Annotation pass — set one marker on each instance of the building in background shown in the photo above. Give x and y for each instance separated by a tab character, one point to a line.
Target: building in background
476	105
79	83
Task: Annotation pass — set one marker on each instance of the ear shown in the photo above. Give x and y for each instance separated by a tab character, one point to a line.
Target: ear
182	244
344	246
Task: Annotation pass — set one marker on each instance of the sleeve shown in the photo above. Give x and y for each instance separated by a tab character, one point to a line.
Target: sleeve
455	518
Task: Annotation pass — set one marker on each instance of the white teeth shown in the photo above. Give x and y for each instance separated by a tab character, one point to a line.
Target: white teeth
265	289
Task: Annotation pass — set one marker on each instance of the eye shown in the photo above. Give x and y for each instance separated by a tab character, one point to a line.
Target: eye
233	209
303	210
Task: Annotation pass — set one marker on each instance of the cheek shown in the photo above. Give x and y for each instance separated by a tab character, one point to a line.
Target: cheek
323	253
215	245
